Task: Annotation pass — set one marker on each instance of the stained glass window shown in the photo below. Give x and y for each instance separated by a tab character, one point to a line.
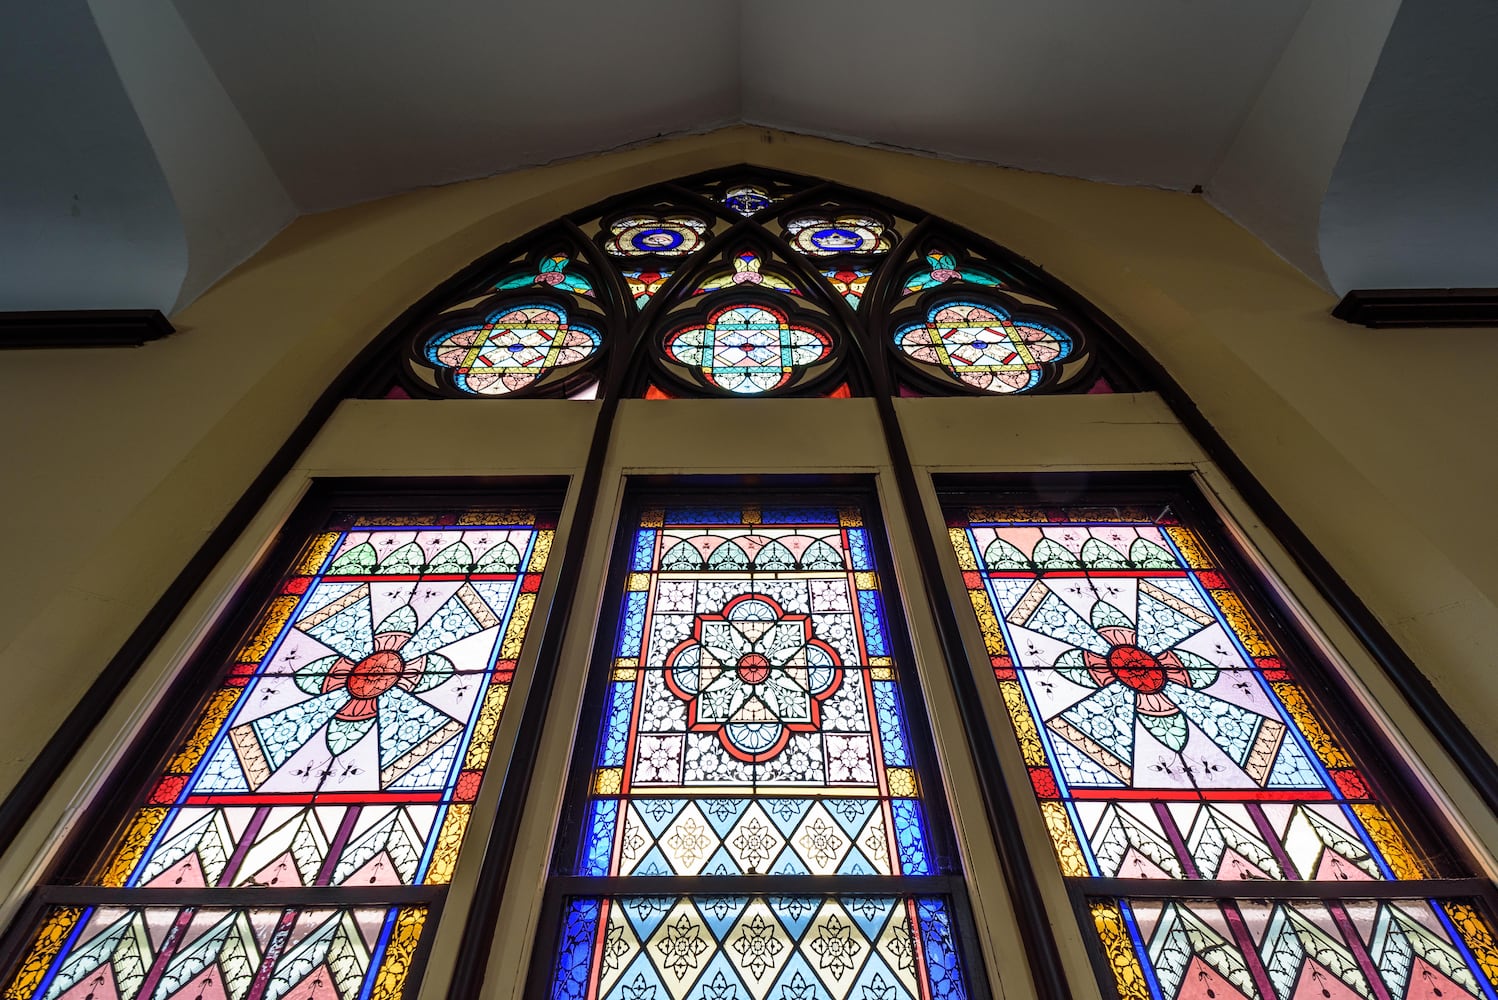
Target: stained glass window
644	283
748	194
940	268
753	732
1228	840
747	199
849	282
297	836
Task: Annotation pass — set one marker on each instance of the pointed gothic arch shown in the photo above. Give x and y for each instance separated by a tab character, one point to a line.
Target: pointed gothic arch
630	364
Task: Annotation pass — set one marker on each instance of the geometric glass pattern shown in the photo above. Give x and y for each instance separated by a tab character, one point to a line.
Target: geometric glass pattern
736	237
849	282
644	284
224	954
753	727
757	948
341	749
941	268
753	722
511	348
1170	740
747	348
1296	949
746	271
552	273
979	344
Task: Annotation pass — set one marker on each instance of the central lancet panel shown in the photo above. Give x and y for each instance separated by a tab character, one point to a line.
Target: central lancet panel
754	732
754	722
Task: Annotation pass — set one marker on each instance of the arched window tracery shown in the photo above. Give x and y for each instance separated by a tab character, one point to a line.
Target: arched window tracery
950	312
749	284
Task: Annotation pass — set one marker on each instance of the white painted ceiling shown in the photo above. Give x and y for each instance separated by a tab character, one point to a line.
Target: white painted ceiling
259	111
348	108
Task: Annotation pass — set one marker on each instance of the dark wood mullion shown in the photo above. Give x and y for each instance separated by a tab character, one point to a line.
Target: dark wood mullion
1046	967
498	852
830	299
1014	854
755	232
620	307
646	320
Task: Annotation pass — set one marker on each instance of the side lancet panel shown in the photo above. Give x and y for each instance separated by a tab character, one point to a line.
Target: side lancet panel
1223	840
298	834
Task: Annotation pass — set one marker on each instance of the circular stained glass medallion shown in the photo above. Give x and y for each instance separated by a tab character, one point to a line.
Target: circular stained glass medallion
747	349
511	349
822	234
980	345
654	235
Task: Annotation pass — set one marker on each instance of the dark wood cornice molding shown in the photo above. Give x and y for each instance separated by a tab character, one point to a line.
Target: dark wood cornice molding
82	328
1396	307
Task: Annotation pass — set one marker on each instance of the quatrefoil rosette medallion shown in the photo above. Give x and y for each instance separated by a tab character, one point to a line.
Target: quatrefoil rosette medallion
748	346
527	344
752	674
989	343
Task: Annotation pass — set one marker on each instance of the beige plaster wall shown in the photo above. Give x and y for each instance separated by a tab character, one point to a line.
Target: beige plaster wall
120	462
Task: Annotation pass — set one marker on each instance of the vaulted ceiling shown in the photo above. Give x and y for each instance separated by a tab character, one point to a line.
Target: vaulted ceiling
157	144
